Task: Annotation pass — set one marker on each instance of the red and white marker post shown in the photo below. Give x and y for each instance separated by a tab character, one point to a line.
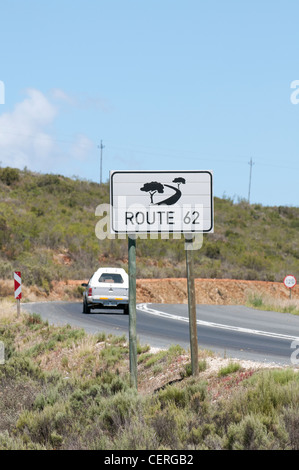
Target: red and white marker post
18	289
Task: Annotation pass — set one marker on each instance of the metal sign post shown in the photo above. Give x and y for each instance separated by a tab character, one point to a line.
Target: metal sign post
132	309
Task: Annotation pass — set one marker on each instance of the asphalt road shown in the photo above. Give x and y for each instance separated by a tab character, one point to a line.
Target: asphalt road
232	331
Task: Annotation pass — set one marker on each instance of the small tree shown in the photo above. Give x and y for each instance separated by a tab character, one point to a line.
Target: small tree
179	181
152	188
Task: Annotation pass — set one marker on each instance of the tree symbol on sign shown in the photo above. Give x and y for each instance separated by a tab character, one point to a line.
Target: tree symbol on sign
179	181
152	188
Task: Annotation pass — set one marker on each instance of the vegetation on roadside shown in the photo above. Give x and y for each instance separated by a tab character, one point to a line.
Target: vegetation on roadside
47	231
63	389
262	302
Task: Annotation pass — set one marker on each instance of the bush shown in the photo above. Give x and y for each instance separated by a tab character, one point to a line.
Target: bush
42	427
212	250
14	443
291	420
166	428
256	301
19	366
120	409
249	434
9	176
173	394
229	369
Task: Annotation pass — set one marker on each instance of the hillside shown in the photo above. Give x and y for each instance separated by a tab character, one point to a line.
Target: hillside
47	231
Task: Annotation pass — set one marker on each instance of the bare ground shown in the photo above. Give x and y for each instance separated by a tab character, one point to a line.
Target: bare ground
208	291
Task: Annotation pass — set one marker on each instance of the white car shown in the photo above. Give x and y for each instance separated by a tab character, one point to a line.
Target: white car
107	287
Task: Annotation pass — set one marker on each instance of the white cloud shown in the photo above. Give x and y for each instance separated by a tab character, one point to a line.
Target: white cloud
23	136
82	101
81	147
26	138
60	95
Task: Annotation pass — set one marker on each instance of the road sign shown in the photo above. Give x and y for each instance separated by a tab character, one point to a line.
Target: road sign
18	285
161	201
290	281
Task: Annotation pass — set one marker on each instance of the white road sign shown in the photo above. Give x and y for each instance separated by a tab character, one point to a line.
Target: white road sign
290	281
161	201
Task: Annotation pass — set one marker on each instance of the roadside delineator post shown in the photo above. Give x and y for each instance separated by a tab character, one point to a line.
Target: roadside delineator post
18	290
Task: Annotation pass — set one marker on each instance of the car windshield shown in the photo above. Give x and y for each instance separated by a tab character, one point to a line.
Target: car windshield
112	278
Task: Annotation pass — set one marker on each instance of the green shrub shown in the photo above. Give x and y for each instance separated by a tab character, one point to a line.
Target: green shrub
256	301
173	394
9	176
291	420
34	319
154	358
229	369
19	366
188	370
166	428
39	427
212	250
136	435
249	434
119	409
8	442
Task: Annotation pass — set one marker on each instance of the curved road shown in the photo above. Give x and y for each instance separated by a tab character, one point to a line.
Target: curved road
232	331
172	199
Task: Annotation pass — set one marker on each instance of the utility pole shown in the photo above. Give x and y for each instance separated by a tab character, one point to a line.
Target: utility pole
101	147
250	163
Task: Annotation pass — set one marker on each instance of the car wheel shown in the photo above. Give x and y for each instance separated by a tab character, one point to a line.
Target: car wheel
126	310
86	309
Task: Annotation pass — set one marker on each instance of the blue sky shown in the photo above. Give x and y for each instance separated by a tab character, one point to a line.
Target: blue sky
165	84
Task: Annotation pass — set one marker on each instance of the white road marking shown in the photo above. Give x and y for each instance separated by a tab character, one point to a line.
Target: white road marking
145	308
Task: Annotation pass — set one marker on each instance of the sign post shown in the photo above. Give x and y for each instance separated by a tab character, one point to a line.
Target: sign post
132	309
192	309
166	203
290	281
18	290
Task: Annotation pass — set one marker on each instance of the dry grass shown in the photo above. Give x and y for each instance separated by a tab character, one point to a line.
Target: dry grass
276	304
8	311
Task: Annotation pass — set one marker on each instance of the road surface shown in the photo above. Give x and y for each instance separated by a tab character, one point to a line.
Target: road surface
231	331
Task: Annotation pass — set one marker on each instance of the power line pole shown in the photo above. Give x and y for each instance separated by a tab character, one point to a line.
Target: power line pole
101	147
251	163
